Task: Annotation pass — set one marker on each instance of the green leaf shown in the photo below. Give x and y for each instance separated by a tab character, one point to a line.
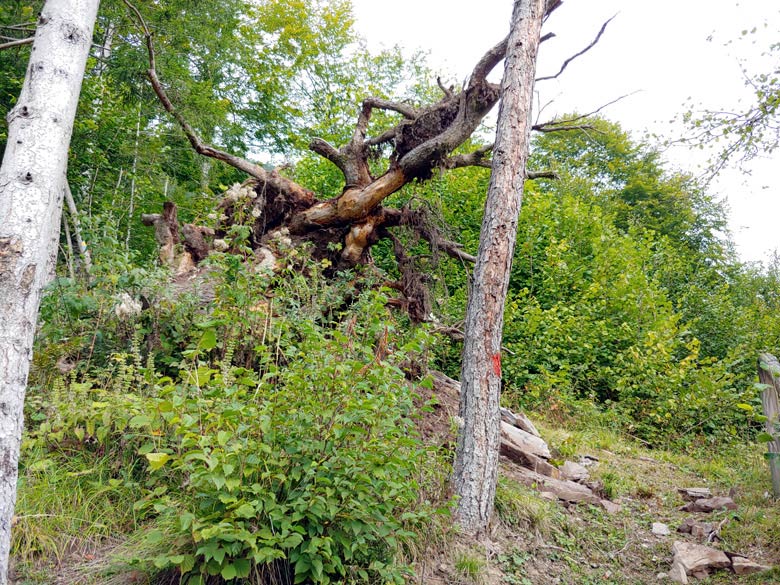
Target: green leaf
242	566
139	420
157	460
208	340
746	407
187	563
246	511
228	572
223	437
764	437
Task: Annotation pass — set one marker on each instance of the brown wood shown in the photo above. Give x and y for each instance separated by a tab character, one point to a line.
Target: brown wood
769	374
476	460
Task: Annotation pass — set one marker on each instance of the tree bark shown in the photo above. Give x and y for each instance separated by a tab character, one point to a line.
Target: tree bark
32	176
84	253
476	462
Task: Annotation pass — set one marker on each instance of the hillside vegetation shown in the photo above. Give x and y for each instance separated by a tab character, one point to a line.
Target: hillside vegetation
256	421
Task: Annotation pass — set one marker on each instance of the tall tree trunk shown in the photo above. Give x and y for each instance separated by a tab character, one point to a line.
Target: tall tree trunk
73	212
32	176
476	463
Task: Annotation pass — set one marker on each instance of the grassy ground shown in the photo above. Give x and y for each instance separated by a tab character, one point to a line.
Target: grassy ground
536	541
74	526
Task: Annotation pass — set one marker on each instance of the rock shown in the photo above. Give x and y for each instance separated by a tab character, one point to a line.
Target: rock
564	490
549	496
697	559
710	504
695	493
574	471
686	526
524	441
661	576
677	572
660	529
519	420
569	491
700	530
529	460
610	507
744	566
588	460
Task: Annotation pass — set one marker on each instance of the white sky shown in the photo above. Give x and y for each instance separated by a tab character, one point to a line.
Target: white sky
659	49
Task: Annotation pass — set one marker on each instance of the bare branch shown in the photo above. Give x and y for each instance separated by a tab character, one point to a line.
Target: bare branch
386	136
553	125
546	37
472	159
551	5
476	159
582	52
562	128
328	151
24	26
17	43
405	110
488	61
541	175
447	90
280	183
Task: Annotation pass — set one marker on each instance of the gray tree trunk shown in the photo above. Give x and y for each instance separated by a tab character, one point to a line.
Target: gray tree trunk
476	462
769	374
32	176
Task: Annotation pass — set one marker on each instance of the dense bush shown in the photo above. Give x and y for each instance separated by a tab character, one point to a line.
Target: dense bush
288	450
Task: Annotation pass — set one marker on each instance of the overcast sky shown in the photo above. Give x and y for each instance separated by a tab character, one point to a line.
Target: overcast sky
671	52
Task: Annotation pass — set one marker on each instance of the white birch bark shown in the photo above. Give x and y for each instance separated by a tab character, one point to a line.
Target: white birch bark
86	256
476	461
32	176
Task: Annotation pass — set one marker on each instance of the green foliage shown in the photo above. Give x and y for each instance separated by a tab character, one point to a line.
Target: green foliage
748	132
288	449
624	293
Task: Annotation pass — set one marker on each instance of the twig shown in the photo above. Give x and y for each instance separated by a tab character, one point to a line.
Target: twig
541	175
556	128
447	91
716	531
558	124
582	52
17	43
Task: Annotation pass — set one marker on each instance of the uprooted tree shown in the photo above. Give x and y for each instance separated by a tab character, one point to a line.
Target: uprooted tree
344	228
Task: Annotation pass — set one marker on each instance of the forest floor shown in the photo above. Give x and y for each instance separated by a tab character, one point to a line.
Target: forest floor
535	540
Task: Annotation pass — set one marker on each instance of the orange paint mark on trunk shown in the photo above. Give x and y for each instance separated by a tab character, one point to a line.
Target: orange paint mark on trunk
497	364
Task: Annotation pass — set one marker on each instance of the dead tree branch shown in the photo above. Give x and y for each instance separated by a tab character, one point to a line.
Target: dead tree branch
405	110
17	43
541	175
579	54
477	158
279	183
570	123
448	91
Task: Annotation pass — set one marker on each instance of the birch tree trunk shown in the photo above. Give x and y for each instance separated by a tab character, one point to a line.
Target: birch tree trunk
32	176
476	462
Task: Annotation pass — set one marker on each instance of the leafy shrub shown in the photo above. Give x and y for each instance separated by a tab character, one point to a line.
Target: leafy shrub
303	465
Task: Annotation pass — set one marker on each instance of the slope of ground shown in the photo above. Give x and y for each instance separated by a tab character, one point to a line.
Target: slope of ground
536	541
